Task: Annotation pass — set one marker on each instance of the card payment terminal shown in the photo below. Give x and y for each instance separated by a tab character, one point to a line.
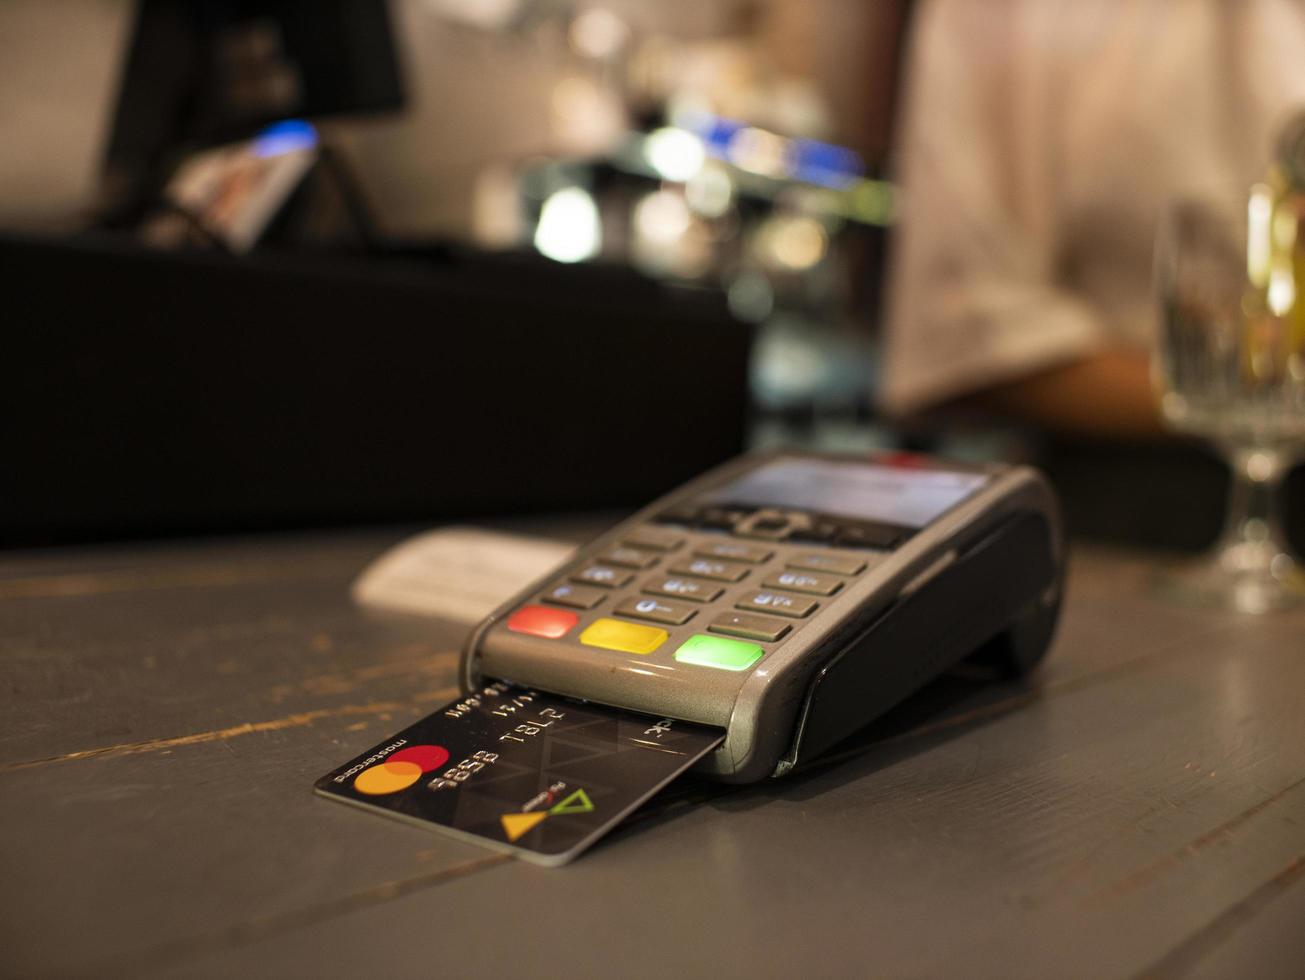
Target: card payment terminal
791	598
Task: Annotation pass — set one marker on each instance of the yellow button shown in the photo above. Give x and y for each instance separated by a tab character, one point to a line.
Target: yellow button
612	634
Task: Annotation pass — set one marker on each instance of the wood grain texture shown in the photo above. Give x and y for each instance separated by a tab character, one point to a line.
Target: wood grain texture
1137	811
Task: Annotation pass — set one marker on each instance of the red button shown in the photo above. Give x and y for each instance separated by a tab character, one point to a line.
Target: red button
542	621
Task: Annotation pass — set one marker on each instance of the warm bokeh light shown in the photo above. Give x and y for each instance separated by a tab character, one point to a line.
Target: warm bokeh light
674	154
569	229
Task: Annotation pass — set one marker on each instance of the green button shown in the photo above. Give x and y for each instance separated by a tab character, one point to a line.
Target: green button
718	652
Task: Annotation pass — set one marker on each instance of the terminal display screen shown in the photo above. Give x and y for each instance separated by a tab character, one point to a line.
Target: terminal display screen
908	496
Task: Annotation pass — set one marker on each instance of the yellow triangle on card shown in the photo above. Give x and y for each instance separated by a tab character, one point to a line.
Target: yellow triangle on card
516	824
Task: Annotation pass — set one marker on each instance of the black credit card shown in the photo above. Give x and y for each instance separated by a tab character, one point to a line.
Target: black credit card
540	776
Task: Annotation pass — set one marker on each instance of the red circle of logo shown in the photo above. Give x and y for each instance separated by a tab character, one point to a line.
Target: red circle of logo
427	756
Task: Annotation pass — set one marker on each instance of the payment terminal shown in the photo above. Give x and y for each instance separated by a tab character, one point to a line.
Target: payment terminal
790	598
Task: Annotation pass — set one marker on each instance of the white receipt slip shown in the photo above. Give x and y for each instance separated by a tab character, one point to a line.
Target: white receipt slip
457	573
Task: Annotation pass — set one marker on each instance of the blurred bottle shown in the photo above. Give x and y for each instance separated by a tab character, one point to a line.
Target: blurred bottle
1274	305
1284	291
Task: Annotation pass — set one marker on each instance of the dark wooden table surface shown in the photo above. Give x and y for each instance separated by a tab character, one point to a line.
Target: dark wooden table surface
1137	811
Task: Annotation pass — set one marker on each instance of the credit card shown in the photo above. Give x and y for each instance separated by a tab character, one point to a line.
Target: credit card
540	776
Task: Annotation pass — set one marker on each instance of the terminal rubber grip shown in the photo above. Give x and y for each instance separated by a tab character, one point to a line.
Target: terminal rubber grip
1006	588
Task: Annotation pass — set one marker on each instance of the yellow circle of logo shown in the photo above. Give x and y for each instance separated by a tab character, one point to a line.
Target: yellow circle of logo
388	777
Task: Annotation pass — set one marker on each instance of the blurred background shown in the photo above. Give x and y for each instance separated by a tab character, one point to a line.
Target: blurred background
287	264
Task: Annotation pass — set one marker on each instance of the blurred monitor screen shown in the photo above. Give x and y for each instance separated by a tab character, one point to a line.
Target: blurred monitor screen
212	70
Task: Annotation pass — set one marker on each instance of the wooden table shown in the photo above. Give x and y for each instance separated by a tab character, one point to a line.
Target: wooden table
1138	811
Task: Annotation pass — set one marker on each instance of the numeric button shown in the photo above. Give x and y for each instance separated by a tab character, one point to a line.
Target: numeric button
575	596
652	539
778	604
838	564
734	551
870	536
807	582
721	571
629	558
683	588
657	611
603	575
749	627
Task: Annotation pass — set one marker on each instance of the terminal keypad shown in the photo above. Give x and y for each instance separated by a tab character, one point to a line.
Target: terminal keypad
663	592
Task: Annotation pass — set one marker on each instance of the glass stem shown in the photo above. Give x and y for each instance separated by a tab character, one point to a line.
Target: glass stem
1252	536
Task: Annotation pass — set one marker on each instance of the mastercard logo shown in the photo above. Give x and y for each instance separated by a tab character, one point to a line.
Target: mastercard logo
401	770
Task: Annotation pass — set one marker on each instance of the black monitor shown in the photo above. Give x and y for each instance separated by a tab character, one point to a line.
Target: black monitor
207	71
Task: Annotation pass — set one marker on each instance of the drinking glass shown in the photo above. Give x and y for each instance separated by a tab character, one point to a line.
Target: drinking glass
1229	366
